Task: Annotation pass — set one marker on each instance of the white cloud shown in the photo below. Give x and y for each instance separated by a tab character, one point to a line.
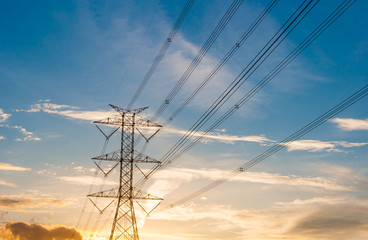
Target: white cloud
45	105
4	116
268	178
23	130
68	111
350	124
315	200
175	64
85	180
10	167
358	177
71	112
29	135
27	138
82	115
225	138
331	219
193	212
7	184
170	179
319	146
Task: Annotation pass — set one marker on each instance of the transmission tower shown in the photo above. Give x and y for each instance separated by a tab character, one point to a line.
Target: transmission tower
124	225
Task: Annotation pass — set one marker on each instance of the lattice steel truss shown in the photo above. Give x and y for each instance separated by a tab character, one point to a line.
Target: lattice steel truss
124	225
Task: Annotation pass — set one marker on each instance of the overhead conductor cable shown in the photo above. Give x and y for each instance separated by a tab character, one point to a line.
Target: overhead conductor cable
276	40
162	52
279	36
299	49
361	93
198	58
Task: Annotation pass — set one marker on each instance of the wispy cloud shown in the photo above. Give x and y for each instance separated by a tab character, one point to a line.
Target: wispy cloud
28	135
319	146
31	201
67	111
73	113
354	176
7	184
220	136
86	180
175	64
323	221
45	105
351	124
4	116
315	200
10	167
342	221
170	179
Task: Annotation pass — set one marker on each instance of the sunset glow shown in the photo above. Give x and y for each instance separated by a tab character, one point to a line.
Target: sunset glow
239	119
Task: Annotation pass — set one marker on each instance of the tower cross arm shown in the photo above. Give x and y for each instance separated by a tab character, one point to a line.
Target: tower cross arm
114	193
115	157
146	123
122	110
115	120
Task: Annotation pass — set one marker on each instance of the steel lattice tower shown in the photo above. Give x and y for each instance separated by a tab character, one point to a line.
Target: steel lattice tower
124	225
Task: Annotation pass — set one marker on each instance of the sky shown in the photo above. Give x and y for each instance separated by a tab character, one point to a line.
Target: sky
63	62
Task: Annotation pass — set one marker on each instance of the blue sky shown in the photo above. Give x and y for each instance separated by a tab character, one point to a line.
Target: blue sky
63	62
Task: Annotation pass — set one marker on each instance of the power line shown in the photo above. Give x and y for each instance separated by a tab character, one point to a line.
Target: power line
271	45
137	50
226	58
223	61
274	42
206	46
198	58
162	51
299	49
361	93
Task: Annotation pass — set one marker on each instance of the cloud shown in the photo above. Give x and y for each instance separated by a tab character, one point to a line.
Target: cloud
166	181
170	179
334	222
28	135
324	221
350	124
276	179
7	184
85	180
30	201
195	212
68	111
4	116
45	105
319	146
221	137
315	200
27	138
71	112
10	167
357	177
26	231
